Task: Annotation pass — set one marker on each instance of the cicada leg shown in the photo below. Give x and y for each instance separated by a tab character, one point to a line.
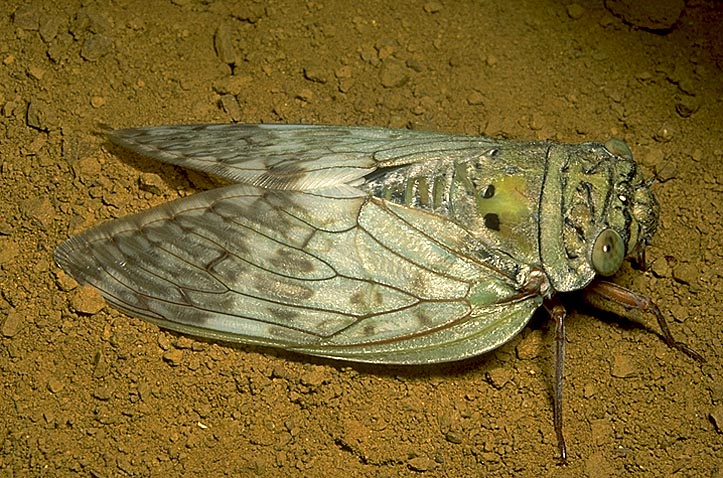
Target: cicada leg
558	313
615	294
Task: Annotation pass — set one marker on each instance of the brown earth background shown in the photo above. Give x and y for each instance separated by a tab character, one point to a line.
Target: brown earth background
88	391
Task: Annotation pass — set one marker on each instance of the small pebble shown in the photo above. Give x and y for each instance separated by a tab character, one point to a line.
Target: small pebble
666	172
475	98
194	363
5	228
716	416
663	135
393	75
305	94
421	463
575	11
432	7
623	367
40	209
55	385
13	324
87	300
315	74
97	101
150	182
589	390
686	273
225	49
313	377
49	28
101	365
164	341
103	392
173	356
530	347
229	104
453	437
232	85
687	106
183	342
39	116
498	377
343	72
95	47
36	72
27	17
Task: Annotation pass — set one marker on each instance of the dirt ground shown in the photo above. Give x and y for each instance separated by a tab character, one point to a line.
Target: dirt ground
88	391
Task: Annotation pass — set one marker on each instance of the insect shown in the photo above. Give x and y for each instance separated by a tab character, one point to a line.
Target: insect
371	244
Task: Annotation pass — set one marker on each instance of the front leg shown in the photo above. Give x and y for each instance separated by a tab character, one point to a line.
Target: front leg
601	294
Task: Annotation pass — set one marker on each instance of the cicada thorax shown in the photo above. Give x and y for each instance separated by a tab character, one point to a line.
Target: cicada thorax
493	193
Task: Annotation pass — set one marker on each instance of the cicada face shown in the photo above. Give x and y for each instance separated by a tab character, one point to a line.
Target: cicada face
629	216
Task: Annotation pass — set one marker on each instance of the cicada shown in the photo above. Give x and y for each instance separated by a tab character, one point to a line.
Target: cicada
370	244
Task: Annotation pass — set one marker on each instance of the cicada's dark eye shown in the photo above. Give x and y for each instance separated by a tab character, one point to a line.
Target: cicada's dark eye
608	252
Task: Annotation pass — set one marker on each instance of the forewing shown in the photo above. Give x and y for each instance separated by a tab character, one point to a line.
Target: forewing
332	273
294	157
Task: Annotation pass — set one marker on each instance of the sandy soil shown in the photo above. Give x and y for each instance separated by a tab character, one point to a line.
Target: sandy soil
88	391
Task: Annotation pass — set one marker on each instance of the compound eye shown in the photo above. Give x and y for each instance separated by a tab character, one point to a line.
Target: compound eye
608	253
618	147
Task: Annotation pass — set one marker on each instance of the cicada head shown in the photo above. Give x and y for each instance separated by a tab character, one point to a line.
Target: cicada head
632	218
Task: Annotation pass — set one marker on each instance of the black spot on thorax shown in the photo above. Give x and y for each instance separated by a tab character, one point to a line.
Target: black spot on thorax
492	221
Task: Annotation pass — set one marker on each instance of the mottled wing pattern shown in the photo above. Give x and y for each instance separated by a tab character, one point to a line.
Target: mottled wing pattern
299	157
328	271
